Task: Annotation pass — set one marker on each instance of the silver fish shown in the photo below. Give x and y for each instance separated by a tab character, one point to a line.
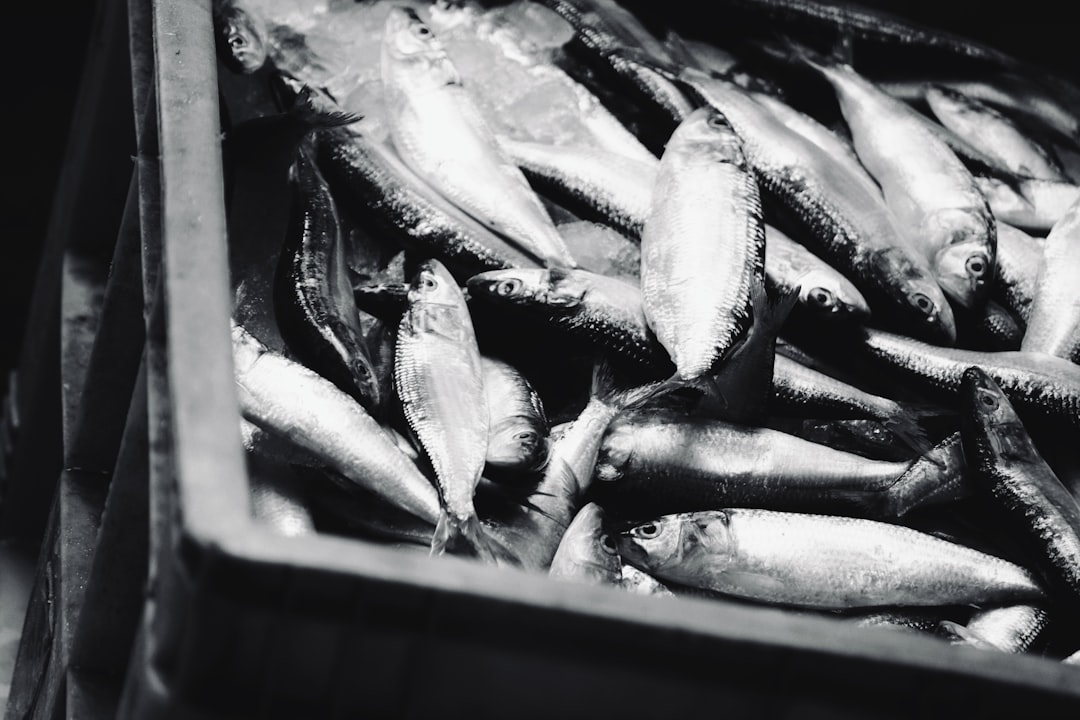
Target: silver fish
1042	383
820	561
517	425
1053	325
850	226
586	552
639	583
1033	204
994	134
439	132
593	182
439	380
665	462
822	289
703	244
935	198
1013	628
1019	256
311	412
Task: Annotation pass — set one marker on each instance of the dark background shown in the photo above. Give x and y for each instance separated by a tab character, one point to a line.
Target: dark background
45	44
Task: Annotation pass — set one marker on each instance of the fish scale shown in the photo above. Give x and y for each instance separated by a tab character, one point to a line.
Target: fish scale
820	561
439	380
703	242
1034	381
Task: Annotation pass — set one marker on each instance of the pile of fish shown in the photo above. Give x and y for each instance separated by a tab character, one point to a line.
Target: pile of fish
545	286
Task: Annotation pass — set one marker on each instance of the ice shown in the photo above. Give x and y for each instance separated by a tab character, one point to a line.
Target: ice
602	250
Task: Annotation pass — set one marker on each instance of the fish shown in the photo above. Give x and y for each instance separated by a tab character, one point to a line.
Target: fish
1012	629
993	134
1030	204
528	535
594	183
820	561
517	425
847	225
664	462
441	135
823	291
933	195
868	438
1043	384
655	101
241	35
313	297
1009	471
438	378
1014	92
289	400
1073	659
604	312
1053	323
1016	271
258	441
801	390
586	552
702	245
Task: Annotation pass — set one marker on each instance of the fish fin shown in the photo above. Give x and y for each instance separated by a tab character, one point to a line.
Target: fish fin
466	537
606	388
324	114
957	634
906	428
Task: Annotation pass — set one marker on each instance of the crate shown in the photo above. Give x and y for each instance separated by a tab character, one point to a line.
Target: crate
241	621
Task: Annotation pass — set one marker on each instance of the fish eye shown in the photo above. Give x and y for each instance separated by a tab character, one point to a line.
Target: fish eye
608	544
976	266
822	297
507	287
923	303
646	532
236	42
717	121
525	436
427	282
988	400
422	31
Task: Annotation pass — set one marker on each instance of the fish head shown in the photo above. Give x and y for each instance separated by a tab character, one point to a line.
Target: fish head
435	304
587	550
707	134
990	423
825	297
964	266
654	545
552	289
412	52
518	442
944	100
242	39
916	296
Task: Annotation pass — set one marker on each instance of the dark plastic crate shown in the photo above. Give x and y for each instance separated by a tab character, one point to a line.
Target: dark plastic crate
243	622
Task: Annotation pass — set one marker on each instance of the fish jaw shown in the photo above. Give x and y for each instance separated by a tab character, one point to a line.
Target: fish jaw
654	546
964	264
516	442
991	423
927	314
828	298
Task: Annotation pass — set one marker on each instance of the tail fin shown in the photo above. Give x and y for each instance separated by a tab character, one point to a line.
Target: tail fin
957	634
318	110
462	537
607	389
936	477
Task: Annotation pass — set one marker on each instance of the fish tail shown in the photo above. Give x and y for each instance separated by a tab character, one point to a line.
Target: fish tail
906	429
318	110
458	536
607	389
676	47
